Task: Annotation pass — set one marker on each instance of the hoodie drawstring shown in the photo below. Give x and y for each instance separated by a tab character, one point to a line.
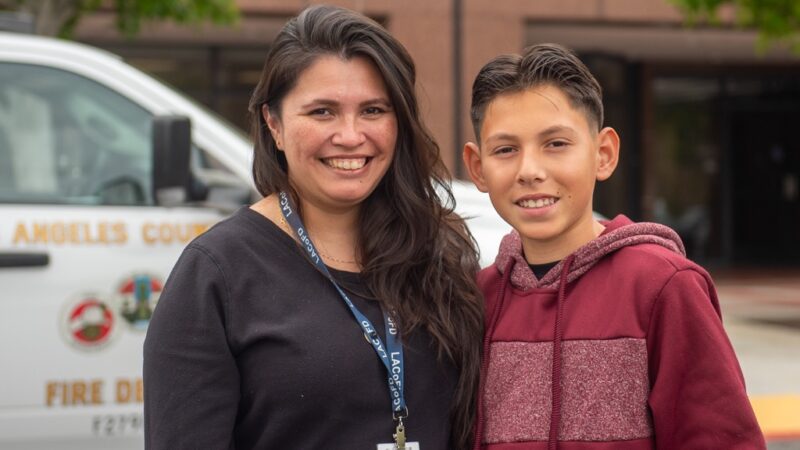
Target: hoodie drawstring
558	333
487	338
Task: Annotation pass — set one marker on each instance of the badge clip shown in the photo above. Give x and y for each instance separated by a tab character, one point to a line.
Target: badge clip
400	435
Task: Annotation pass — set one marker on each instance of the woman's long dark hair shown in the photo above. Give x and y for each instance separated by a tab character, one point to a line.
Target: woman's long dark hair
417	256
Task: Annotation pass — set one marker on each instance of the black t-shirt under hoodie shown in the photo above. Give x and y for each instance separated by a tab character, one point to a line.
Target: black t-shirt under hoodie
540	270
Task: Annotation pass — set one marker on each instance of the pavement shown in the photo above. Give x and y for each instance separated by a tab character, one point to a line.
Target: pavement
761	313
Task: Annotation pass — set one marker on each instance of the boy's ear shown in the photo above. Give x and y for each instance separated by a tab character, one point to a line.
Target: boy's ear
273	124
472	161
607	153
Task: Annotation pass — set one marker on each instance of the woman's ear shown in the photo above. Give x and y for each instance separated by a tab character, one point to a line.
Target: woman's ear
274	125
474	165
607	153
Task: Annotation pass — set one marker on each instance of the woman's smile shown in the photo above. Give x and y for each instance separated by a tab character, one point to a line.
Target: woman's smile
347	164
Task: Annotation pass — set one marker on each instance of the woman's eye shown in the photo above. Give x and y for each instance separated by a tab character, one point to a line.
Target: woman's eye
320	112
374	110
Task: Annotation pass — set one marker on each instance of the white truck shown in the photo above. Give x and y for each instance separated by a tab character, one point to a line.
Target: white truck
103	181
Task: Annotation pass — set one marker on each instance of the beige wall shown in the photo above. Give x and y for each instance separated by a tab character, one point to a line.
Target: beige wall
425	27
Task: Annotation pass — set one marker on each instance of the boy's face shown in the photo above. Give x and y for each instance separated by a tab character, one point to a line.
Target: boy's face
538	159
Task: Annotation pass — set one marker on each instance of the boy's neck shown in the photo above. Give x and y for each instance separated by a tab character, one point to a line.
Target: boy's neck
558	248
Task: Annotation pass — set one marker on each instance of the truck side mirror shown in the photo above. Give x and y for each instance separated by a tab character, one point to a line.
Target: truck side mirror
172	146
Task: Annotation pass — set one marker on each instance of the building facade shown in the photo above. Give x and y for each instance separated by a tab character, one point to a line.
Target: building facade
707	121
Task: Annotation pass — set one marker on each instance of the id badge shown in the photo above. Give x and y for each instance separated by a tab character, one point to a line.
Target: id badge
393	446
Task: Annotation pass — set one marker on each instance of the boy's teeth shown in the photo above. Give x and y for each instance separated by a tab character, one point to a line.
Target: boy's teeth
346	163
539	203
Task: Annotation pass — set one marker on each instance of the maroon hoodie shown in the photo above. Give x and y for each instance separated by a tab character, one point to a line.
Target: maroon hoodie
641	360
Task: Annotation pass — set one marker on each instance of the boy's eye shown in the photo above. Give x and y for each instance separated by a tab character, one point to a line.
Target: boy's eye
503	150
557	143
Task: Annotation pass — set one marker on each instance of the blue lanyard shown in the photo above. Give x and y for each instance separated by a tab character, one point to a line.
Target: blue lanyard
392	354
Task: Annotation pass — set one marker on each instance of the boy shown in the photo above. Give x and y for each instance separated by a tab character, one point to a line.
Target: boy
628	328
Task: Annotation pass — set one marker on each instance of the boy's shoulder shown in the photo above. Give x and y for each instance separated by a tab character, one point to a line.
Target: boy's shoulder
650	258
649	272
645	249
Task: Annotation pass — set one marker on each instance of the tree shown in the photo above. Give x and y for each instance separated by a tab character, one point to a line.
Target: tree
775	20
59	17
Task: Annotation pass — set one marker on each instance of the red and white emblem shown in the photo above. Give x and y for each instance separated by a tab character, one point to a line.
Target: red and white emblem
88	322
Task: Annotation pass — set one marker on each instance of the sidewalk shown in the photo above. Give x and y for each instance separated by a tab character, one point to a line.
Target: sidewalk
761	312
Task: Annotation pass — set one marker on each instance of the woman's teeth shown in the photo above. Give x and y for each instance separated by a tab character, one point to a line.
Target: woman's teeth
539	203
346	163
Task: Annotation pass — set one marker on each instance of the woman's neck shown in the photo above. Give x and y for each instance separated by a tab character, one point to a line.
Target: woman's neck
334	233
341	224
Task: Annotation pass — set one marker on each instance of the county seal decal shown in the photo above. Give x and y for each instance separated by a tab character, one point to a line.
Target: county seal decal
88	322
138	296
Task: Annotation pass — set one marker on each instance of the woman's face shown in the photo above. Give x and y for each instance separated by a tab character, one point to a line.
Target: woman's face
338	129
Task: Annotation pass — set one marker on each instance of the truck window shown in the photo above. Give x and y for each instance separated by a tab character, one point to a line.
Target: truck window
65	139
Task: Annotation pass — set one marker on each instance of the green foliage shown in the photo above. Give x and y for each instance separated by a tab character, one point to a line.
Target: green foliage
775	20
60	17
131	13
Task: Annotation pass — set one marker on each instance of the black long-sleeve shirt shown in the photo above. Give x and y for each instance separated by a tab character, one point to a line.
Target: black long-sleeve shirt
250	347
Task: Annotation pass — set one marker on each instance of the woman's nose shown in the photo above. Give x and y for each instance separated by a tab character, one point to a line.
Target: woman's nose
348	133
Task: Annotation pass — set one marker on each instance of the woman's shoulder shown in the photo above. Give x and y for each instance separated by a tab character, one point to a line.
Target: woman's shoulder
245	231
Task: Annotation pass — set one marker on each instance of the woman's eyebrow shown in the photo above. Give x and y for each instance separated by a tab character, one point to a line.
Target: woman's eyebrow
377	100
320	102
331	102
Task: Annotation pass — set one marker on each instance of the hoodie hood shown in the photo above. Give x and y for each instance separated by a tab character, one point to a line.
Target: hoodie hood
620	232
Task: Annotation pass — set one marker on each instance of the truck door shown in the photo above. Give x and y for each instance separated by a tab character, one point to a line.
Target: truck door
84	253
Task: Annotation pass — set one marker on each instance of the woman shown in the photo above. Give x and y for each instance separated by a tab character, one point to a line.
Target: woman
258	341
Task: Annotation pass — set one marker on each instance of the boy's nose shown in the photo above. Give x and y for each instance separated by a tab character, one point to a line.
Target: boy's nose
531	170
348	133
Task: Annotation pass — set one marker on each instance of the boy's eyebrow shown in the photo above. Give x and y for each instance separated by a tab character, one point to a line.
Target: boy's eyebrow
554	129
501	137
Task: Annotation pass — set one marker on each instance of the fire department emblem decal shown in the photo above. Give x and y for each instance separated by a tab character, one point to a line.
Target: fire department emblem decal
138	296
88	323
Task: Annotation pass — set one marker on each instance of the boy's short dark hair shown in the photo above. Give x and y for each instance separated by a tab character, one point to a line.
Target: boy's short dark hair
543	64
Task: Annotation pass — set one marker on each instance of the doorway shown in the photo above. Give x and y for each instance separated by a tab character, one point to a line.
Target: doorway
765	183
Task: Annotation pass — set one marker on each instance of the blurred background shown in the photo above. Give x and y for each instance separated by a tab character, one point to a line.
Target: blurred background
706	115
705	95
